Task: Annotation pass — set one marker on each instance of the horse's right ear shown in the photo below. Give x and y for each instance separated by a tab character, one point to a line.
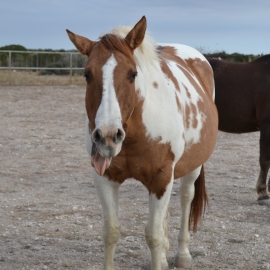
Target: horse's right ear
83	44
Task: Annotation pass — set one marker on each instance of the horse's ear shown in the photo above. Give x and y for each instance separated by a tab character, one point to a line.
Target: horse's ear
136	35
83	44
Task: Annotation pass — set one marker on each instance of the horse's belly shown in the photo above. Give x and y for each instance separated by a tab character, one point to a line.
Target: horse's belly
237	122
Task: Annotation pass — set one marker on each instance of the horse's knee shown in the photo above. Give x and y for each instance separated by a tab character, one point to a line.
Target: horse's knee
111	234
154	238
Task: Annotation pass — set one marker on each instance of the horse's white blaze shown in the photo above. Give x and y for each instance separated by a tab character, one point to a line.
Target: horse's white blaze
109	112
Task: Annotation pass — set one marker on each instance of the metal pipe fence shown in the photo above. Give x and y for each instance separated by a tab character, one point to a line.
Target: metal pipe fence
47	62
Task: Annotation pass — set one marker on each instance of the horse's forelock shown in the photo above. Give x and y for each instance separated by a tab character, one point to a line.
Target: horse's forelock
115	43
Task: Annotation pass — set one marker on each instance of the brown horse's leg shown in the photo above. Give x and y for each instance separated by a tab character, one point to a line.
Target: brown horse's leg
264	162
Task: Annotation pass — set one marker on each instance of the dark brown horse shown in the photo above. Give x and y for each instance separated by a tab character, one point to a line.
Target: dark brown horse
243	102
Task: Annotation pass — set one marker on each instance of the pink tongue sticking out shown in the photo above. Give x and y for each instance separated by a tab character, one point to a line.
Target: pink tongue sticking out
100	163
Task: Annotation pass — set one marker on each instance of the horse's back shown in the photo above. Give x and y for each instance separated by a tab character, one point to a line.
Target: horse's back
192	60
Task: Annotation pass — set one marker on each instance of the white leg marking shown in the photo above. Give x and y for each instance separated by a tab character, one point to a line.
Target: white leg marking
156	229
109	112
187	189
108	194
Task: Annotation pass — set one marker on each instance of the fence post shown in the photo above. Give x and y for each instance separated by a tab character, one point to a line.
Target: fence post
9	63
70	73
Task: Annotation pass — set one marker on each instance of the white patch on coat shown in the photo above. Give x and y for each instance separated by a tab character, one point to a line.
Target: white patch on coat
192	135
161	115
108	113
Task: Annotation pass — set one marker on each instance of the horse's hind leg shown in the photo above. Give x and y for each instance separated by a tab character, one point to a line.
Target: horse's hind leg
108	194
187	191
264	162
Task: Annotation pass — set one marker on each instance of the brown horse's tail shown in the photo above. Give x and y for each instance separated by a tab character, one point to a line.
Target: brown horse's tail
199	202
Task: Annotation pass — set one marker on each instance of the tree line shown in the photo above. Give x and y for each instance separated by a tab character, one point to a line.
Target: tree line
51	59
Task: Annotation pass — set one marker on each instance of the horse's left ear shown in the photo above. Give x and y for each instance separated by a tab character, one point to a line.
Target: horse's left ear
136	35
83	44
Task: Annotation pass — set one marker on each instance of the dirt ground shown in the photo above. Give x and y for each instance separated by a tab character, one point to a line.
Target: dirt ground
50	216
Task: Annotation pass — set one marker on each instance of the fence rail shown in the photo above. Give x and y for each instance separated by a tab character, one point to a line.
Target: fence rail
45	61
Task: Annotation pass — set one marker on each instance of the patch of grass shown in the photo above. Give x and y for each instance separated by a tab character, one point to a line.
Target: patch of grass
33	78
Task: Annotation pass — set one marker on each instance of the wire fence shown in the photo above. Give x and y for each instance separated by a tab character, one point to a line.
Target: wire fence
41	63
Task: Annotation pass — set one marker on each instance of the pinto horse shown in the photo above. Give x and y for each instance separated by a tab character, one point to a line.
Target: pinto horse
243	103
151	117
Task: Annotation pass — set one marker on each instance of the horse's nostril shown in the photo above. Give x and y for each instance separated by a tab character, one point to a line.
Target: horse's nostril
118	136
97	136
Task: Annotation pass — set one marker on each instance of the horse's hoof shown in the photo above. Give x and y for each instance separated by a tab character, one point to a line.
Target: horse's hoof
182	262
264	202
263	197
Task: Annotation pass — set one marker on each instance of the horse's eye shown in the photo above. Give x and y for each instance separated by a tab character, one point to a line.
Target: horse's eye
132	76
87	76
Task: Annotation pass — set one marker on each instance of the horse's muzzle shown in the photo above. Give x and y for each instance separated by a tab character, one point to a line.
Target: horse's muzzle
107	143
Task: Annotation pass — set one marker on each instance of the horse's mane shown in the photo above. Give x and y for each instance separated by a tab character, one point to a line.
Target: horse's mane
145	55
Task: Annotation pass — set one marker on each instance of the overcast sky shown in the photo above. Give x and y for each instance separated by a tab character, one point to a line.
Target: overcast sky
232	25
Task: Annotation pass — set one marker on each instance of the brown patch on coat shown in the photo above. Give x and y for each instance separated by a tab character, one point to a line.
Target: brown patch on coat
191	114
194	113
187	92
187	116
167	71
155	84
201	70
178	103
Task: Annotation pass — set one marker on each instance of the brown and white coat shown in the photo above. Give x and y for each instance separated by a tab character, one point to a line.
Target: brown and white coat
151	117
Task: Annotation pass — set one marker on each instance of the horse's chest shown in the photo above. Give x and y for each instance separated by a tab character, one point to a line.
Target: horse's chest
142	162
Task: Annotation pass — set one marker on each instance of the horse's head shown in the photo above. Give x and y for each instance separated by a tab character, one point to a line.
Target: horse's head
110	74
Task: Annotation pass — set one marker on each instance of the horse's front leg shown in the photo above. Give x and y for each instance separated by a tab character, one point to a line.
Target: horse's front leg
187	190
264	162
156	232
108	194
